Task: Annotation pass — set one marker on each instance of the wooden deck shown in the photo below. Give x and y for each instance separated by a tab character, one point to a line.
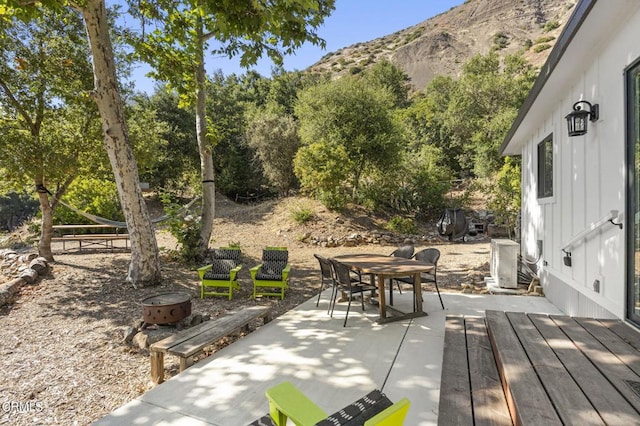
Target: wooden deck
529	369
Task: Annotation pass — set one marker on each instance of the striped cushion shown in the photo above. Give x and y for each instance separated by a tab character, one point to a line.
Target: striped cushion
358	412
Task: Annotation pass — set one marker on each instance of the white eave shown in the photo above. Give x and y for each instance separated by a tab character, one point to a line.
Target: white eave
591	22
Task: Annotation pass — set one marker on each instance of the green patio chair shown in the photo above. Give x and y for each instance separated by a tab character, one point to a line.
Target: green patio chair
288	402
220	277
271	277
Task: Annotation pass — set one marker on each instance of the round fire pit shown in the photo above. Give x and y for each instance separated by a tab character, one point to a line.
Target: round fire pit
166	308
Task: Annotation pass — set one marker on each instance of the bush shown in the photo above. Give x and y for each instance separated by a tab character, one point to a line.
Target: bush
302	213
551	25
541	47
546	39
94	196
402	225
416	186
185	229
504	193
500	40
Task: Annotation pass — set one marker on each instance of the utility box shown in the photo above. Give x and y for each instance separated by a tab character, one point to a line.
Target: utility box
504	262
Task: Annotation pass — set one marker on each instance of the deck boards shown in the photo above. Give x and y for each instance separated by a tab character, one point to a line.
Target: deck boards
489	404
528	402
570	402
455	391
552	370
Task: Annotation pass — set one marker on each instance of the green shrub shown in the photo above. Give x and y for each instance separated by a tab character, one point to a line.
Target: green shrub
302	213
402	225
500	40
94	196
503	191
541	47
333	200
185	229
546	39
551	25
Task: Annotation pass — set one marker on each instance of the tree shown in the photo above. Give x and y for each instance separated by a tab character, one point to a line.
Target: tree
275	139
425	122
144	268
183	31
229	98
483	105
177	168
346	116
48	124
384	74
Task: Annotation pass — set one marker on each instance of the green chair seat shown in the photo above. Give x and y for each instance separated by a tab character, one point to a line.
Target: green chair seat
220	277
271	277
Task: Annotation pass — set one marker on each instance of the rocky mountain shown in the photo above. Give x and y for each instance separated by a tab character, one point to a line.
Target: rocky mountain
442	44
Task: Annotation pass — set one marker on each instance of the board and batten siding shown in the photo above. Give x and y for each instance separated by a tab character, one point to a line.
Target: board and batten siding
589	180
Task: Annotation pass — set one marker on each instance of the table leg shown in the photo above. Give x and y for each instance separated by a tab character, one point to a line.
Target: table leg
381	301
418	291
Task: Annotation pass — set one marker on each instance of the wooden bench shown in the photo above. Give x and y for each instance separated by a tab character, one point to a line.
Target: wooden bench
518	368
90	240
192	341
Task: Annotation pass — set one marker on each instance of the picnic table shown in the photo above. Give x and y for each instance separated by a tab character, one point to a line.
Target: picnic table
69	233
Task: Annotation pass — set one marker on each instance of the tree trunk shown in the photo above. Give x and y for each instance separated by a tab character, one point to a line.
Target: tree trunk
144	269
46	231
204	148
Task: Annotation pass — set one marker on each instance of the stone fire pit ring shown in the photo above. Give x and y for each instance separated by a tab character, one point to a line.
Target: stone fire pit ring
166	308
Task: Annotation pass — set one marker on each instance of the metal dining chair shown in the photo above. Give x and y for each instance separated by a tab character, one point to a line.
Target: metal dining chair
405	252
428	255
349	285
326	274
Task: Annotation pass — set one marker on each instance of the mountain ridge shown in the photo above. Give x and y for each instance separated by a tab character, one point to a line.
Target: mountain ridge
442	44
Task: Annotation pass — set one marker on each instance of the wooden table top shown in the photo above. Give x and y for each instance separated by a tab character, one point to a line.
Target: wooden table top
379	264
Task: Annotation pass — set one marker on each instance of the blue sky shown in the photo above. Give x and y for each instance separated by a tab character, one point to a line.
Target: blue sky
351	22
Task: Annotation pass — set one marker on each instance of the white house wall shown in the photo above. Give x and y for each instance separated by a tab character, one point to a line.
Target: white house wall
589	178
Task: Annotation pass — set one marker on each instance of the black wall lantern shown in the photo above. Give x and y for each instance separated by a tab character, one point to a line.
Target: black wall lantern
577	119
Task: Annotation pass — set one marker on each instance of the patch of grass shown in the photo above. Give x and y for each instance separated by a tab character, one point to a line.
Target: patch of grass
540	47
302	213
546	39
551	25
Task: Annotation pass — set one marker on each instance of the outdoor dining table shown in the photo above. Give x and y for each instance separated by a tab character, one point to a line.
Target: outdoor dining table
384	267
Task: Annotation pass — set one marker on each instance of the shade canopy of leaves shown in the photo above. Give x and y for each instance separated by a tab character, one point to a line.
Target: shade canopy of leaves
47	120
176	32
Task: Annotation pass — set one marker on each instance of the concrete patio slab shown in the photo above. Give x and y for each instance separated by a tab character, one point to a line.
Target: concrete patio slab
332	364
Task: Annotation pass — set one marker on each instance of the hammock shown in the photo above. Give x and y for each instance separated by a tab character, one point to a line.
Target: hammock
117	224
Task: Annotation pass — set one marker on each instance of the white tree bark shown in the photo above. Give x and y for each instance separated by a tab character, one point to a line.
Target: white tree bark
144	269
204	148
